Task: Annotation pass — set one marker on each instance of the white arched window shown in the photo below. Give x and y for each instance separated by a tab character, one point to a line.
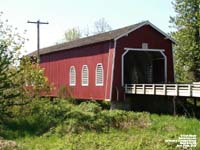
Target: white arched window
85	74
72	76
99	75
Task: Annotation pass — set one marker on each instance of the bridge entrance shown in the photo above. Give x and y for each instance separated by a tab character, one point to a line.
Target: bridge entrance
144	66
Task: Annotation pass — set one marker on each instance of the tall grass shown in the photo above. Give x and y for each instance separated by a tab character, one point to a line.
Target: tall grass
60	124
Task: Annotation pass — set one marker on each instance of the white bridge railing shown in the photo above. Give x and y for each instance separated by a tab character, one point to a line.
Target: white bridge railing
187	90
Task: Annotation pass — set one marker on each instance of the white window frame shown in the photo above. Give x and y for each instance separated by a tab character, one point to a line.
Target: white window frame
70	76
99	84
82	83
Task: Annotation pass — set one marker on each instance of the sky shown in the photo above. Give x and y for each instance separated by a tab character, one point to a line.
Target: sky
65	14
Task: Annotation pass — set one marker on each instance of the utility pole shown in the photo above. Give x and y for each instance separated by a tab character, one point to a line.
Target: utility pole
38	36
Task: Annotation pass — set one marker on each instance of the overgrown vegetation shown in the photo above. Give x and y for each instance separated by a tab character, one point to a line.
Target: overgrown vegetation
61	117
61	124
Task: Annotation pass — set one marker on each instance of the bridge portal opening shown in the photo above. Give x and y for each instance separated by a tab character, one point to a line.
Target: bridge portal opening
144	66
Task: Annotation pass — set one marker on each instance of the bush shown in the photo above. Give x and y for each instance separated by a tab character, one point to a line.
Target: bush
37	118
90	107
105	105
62	117
124	120
88	117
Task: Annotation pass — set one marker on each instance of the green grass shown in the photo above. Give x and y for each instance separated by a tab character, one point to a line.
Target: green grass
150	138
64	126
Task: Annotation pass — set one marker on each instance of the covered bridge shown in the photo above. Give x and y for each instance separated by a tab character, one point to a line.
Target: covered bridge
98	67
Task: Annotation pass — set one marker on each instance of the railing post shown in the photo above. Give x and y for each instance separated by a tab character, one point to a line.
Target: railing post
176	89
164	89
154	89
190	90
143	89
134	86
126	90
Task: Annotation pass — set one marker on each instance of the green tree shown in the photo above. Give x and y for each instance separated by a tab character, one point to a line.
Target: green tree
10	43
20	79
72	34
187	49
5	77
30	80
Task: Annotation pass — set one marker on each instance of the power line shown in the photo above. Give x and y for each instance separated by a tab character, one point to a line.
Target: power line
38	36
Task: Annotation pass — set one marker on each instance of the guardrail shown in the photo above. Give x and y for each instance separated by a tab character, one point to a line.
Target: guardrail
186	90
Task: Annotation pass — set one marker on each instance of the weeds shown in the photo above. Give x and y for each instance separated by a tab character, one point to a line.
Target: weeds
60	124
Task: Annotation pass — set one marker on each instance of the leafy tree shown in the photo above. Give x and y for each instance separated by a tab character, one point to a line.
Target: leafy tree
187	49
30	80
72	34
10	43
101	26
16	74
28	83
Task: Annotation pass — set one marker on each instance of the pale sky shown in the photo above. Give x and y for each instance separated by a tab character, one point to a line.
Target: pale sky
64	14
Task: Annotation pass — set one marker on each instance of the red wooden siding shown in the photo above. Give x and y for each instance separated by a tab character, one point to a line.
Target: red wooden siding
155	40
57	67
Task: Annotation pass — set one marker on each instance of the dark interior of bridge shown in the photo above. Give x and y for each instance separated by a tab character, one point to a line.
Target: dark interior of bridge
143	67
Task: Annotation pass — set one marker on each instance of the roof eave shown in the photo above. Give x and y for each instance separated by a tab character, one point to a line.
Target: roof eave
163	33
153	26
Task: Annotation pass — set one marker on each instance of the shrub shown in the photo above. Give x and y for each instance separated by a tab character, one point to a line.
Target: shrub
88	117
65	92
123	119
62	117
90	107
37	118
142	120
105	105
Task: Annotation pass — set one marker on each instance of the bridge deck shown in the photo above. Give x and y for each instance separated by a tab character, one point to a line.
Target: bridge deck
186	90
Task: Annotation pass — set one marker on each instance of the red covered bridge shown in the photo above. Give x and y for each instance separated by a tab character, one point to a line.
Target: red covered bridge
98	67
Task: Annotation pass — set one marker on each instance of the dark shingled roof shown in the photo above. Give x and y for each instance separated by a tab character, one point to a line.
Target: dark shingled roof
88	40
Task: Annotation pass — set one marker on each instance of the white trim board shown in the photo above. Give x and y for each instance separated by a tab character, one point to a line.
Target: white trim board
142	50
126	34
150	24
113	66
108	67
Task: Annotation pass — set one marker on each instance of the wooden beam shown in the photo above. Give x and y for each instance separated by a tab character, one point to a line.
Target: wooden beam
174	105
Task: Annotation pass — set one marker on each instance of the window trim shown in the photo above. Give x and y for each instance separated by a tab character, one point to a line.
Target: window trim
85	84
99	84
70	76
